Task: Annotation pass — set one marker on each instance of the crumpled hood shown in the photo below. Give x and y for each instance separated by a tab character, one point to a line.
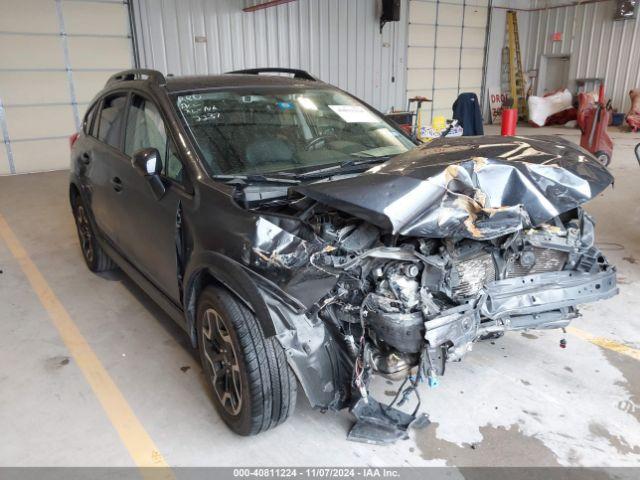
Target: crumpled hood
473	187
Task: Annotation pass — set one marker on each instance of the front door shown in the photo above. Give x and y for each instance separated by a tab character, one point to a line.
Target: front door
149	236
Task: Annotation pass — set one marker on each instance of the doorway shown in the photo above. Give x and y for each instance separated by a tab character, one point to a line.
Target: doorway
554	73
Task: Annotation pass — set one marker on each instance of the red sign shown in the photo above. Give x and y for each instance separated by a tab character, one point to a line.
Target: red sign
556	37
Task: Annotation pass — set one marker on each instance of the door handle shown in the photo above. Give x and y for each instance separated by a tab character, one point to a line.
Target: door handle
85	158
116	183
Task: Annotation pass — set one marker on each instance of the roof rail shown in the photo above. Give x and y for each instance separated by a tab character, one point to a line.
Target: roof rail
301	74
138	74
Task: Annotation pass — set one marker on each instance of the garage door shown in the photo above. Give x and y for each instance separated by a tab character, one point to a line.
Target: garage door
55	55
446	51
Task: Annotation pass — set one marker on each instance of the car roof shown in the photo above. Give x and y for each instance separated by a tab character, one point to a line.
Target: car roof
254	77
202	82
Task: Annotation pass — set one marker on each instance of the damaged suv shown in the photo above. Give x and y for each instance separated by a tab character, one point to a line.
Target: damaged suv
299	237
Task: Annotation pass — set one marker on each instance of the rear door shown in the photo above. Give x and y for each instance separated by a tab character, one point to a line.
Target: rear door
104	165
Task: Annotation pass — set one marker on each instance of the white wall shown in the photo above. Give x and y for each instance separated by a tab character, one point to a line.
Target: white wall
338	41
436	50
597	45
55	55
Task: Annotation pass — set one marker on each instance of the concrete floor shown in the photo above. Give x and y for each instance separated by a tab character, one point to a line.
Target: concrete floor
518	401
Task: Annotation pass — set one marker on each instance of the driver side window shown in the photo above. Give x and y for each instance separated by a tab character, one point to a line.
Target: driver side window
145	129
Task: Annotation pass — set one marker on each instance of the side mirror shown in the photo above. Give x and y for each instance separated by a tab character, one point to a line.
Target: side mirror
148	163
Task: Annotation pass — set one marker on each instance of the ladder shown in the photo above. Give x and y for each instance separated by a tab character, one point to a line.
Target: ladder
516	76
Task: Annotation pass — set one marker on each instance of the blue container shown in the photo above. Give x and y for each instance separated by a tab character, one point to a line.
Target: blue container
617	119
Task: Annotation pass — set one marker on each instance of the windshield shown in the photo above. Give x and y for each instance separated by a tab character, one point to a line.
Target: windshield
242	132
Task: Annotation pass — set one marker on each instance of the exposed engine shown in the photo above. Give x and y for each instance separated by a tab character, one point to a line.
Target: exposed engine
400	302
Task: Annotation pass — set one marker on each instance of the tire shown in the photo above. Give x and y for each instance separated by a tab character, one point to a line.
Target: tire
603	157
252	386
94	256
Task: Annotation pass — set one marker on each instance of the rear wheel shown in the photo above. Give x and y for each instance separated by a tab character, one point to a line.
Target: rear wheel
253	387
94	256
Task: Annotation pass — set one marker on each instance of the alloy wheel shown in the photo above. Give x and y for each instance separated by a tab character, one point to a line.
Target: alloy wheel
220	353
85	234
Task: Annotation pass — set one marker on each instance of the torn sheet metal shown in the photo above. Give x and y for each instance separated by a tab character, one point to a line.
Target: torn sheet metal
478	188
280	250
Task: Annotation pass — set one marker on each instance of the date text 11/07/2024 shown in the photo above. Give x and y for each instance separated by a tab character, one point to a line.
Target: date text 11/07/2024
317	472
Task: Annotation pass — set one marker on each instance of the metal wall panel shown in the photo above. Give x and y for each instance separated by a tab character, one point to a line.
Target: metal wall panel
598	46
338	41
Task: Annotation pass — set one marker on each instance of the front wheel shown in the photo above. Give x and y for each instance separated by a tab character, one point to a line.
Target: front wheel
253	387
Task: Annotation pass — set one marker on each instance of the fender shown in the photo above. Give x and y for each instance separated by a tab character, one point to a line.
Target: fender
214	267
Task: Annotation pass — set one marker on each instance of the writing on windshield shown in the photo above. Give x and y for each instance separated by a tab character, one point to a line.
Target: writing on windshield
244	132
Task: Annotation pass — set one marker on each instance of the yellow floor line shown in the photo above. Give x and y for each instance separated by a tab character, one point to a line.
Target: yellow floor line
137	441
606	343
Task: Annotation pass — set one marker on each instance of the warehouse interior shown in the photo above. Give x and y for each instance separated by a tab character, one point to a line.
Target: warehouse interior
94	372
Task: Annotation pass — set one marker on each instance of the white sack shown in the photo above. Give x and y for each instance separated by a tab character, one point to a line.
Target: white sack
540	108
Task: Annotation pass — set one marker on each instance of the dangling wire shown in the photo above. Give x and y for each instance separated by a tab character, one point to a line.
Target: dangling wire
406	392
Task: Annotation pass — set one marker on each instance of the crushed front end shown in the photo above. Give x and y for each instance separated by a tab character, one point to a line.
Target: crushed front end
422	302
405	308
423	256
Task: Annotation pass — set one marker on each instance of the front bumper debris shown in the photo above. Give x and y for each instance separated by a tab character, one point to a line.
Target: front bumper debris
540	301
525	297
544	300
